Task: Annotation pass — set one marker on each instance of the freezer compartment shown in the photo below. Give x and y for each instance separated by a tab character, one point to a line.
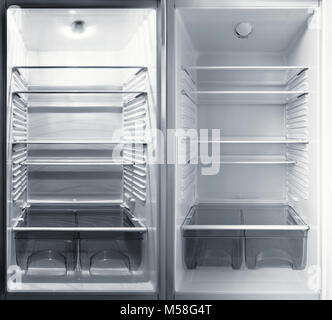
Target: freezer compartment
269	235
97	240
283	245
206	246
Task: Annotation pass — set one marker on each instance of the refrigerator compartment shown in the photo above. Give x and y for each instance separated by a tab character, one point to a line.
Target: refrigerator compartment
46	253
112	254
275	237
246	89
76	115
206	244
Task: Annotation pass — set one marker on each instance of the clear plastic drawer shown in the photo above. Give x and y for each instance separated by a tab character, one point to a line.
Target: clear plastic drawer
268	235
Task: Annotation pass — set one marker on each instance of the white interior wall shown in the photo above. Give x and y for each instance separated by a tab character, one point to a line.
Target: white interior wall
234	182
304	50
64	123
234	58
15	43
77	58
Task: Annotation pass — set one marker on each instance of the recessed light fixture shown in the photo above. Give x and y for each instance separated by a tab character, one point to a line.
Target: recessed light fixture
72	11
78	26
243	30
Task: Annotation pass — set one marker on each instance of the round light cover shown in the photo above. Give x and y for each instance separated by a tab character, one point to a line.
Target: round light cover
78	26
243	30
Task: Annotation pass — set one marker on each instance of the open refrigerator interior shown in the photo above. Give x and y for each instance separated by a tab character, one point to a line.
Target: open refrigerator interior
247	211
81	195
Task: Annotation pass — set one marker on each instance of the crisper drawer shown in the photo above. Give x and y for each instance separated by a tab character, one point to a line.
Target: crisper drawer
110	254
46	253
279	240
115	253
206	244
98	241
269	235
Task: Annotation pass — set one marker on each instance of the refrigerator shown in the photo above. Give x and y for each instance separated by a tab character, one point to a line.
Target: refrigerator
166	149
248	97
82	214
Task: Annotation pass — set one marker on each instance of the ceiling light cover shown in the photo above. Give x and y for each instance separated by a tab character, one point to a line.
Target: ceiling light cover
243	30
78	26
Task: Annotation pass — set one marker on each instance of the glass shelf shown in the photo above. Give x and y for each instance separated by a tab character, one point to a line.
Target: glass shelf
255	140
77	76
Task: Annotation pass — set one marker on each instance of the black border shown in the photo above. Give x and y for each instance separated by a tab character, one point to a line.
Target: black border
3	43
4	4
